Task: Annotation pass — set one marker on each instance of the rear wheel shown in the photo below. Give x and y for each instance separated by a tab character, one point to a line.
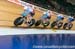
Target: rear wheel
65	25
45	24
38	23
53	24
60	25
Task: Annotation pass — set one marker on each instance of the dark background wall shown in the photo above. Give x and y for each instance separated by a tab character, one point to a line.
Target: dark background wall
62	6
71	1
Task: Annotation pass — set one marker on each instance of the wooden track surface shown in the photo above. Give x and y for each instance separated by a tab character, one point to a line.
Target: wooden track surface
10	11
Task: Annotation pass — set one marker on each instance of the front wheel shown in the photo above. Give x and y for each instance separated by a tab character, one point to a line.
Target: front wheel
18	21
45	24
31	23
70	26
60	25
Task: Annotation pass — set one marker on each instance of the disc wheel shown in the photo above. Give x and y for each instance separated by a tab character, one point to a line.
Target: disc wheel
18	21
38	22
31	23
53	24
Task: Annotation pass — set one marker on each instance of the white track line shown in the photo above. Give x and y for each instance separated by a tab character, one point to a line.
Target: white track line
20	31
